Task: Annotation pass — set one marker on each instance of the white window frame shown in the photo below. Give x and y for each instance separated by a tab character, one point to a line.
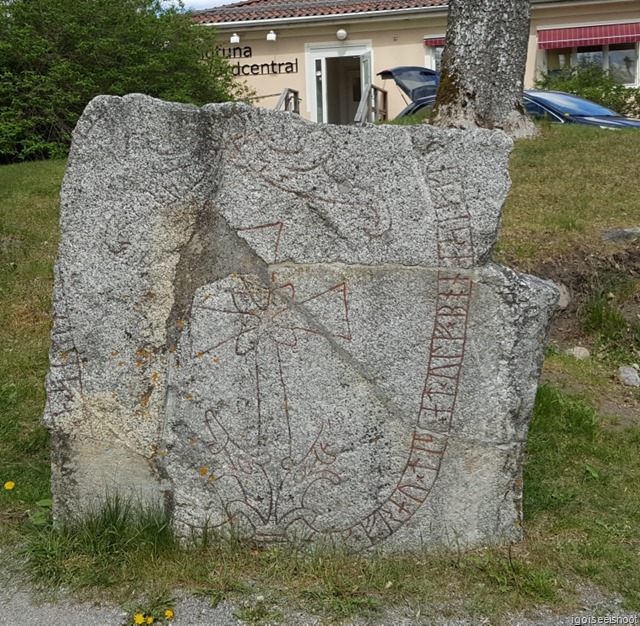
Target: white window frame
326	50
430	52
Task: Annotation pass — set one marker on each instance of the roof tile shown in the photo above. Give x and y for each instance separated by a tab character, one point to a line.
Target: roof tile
251	10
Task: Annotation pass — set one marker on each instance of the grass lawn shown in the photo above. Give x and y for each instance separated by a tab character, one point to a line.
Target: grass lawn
581	494
569	185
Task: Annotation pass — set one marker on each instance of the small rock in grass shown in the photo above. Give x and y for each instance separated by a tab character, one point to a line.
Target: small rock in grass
578	352
623	234
628	376
565	296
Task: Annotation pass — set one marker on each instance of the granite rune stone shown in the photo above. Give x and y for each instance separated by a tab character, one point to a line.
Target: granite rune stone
290	329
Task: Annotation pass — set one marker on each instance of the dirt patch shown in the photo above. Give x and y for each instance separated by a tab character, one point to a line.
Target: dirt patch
583	273
580	272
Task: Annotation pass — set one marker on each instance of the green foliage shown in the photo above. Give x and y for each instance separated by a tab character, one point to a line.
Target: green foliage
579	497
594	83
56	55
100	547
616	337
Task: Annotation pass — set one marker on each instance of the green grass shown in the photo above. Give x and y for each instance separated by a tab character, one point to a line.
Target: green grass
617	339
28	242
119	556
569	185
410	120
581	500
104	548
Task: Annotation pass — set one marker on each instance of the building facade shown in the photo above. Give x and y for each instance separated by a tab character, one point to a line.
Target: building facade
328	50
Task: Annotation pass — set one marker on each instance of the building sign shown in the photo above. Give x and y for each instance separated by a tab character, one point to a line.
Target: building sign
255	69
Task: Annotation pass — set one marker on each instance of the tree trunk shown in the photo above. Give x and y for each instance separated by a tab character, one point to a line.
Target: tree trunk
483	67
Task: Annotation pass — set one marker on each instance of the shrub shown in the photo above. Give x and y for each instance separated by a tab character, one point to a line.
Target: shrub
56	55
594	83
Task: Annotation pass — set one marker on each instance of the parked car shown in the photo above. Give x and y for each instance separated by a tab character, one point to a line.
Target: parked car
416	82
553	106
556	106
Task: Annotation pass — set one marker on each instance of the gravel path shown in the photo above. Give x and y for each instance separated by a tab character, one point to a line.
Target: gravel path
18	608
21	607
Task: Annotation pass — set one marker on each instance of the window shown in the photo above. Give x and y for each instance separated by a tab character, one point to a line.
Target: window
558	59
433	47
623	63
590	55
620	59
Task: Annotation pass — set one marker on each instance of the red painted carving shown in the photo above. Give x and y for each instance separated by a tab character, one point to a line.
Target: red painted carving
436	407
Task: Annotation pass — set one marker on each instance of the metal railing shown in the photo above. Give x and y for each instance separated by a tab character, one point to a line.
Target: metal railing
289	101
373	105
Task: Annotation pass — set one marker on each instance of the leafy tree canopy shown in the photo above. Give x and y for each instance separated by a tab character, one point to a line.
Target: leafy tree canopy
56	55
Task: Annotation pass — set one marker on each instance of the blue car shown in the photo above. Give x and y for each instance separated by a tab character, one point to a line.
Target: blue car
553	106
416	82
556	106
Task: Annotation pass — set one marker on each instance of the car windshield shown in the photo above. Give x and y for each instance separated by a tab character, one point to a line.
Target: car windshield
566	103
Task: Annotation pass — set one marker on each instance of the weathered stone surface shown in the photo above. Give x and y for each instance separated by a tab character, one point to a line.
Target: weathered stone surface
565	295
291	328
578	352
621	234
628	376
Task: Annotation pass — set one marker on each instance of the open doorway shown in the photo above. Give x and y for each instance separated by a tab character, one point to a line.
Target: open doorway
337	80
344	89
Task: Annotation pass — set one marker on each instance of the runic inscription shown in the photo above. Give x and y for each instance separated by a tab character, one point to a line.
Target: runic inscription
262	322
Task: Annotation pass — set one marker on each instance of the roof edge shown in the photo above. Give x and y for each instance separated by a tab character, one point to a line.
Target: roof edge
327	18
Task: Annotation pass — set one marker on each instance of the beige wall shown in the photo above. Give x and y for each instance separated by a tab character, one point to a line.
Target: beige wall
393	42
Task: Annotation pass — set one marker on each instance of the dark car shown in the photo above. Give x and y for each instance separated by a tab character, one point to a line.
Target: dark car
556	106
416	82
553	106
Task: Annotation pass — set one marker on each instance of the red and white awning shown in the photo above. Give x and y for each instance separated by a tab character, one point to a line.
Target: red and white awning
434	41
588	36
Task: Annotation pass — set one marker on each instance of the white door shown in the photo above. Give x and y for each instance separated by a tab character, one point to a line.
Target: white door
365	70
316	69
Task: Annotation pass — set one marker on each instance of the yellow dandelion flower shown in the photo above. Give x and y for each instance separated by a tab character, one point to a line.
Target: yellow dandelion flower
149	619
9	485
168	614
204	471
138	618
